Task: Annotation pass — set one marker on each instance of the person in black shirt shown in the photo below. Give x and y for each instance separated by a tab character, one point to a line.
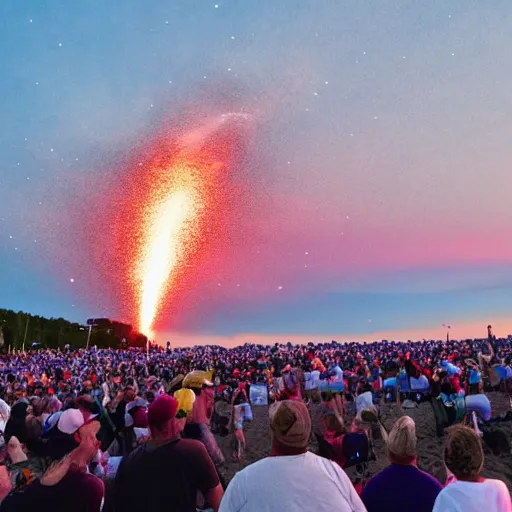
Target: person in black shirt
167	472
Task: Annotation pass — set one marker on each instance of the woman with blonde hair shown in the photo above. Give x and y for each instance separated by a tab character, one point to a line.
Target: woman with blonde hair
402	485
464	458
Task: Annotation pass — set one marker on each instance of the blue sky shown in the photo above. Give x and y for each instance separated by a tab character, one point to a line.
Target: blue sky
381	151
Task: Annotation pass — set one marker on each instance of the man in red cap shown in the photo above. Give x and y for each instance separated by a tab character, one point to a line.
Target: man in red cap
167	472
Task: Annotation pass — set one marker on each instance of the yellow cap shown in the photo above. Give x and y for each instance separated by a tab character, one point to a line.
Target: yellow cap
186	399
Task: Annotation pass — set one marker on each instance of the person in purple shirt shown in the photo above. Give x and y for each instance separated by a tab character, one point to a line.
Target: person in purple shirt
401	486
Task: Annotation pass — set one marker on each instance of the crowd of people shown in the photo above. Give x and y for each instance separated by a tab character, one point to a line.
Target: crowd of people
124	430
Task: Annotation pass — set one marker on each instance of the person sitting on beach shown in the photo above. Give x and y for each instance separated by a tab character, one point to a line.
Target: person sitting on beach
464	458
335	431
364	396
284	481
402	485
332	402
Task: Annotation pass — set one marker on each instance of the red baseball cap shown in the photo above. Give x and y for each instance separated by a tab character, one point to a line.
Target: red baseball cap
163	409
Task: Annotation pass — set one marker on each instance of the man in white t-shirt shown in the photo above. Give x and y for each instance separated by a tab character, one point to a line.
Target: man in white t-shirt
464	457
291	478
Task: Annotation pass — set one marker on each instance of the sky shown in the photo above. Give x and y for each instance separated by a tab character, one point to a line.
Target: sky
378	166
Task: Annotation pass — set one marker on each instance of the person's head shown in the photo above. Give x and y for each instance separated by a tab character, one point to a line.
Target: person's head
316	397
80	454
463	453
290	425
34	428
327	395
129	394
54	405
162	418
87	406
334	423
38	405
401	441
19	410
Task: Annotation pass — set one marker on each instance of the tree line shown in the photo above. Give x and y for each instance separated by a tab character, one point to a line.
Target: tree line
20	330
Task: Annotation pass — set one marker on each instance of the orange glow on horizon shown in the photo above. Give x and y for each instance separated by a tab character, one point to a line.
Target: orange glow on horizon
502	327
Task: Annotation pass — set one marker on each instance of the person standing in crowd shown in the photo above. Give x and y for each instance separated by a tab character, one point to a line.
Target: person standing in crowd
464	458
167	472
402	485
16	425
239	403
316	411
198	423
334	434
289	478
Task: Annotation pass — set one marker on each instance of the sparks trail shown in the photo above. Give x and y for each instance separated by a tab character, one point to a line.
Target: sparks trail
171	209
169	221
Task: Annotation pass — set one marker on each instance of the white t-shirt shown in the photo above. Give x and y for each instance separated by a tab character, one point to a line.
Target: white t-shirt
339	373
299	482
489	496
364	401
5	410
312	380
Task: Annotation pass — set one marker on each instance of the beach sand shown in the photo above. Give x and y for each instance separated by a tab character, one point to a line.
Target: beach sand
430	447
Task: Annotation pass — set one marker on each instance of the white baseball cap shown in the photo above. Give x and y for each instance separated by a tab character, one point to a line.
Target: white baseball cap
70	421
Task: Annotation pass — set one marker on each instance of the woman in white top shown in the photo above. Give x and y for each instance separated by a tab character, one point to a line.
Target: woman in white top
464	457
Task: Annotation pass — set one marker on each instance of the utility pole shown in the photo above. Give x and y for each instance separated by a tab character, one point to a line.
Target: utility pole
26	332
448	327
88	337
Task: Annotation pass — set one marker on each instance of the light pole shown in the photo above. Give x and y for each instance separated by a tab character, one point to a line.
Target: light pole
448	327
88	337
26	331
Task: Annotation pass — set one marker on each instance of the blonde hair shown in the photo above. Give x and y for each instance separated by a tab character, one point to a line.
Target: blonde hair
402	438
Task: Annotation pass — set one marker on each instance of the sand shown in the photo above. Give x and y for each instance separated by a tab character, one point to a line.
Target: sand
430	447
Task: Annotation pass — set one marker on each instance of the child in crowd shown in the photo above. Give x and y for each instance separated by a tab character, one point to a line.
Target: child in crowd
238	415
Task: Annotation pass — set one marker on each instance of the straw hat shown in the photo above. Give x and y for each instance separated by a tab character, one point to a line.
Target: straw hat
196	380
